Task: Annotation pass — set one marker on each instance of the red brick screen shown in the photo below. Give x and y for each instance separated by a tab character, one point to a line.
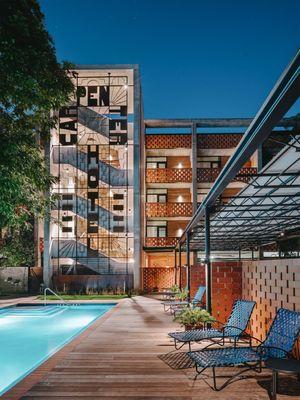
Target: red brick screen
272	284
169	209
226	283
157	278
168	175
211	174
160	241
168	141
213	141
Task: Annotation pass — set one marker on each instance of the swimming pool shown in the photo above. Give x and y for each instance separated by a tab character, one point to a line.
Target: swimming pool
31	334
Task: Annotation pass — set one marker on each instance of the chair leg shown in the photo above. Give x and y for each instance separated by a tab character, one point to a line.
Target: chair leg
214	378
176	345
274	384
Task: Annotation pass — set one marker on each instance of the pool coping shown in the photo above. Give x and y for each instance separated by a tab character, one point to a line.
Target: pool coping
17	391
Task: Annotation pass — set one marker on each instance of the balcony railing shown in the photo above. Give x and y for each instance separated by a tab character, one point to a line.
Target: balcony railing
168	175
160	241
211	174
169	209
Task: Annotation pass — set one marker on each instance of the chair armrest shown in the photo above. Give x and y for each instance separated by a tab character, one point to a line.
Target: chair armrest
233	327
262	347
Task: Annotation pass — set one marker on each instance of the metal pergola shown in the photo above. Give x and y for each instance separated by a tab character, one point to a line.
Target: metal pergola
269	204
262	211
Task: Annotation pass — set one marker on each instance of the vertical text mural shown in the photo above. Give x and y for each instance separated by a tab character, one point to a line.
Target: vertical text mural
92	157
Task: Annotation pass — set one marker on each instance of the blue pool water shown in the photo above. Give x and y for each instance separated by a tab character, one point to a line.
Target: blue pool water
31	334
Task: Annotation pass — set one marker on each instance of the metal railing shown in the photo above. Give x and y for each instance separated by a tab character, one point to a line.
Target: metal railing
66	302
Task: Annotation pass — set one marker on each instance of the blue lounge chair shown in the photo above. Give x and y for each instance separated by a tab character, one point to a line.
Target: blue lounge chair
197	300
279	342
233	329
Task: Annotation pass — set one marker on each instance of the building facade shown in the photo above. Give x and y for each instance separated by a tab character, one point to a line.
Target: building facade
127	187
91	240
180	170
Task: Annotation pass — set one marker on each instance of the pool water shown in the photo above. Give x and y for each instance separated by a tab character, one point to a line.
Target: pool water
31	334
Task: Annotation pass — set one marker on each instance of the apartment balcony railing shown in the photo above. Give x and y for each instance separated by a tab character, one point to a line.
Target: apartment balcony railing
168	175
168	141
160	241
211	174
169	209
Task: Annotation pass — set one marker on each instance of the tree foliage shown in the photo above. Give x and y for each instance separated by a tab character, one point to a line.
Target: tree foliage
32	84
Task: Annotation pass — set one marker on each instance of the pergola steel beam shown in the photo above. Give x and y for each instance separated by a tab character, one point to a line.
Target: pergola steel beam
281	98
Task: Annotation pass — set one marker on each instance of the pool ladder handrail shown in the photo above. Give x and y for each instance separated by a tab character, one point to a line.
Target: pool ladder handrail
66	302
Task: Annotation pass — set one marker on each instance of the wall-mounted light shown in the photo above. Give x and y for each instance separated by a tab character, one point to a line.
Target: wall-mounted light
180	231
125	87
180	199
179	165
110	157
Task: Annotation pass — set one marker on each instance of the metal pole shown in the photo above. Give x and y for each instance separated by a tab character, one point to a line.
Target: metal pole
207	261
188	266
175	266
180	280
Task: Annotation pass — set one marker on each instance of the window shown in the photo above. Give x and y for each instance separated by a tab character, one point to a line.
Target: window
156	229
209	162
156	162
157	196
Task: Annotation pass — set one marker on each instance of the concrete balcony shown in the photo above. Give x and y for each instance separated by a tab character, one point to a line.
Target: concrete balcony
168	175
169	209
161	241
211	174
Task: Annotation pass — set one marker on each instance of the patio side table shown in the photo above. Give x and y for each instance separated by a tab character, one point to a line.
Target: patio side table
281	365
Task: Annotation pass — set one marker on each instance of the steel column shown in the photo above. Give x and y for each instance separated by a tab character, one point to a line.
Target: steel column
175	267
180	280
207	260
188	263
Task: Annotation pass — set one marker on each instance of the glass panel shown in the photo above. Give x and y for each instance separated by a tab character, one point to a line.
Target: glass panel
151	231
162	231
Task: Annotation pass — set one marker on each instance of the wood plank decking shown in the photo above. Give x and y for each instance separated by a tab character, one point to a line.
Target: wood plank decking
119	358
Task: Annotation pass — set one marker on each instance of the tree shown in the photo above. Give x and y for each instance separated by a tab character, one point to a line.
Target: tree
32	84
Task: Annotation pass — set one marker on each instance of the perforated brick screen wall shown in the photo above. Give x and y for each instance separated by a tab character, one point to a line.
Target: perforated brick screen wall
168	141
226	283
227	141
272	284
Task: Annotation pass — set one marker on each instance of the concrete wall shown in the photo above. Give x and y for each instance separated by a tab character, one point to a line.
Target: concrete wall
78	283
13	280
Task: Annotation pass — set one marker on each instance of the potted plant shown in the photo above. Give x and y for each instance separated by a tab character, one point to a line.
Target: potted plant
181	295
194	318
174	289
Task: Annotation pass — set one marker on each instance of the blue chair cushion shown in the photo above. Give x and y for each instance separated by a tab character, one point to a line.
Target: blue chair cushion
196	335
224	357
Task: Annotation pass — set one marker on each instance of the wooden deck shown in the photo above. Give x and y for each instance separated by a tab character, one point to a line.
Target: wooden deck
125	355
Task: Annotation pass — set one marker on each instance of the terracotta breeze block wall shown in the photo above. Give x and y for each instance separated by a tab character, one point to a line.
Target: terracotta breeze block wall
226	283
157	278
168	141
272	284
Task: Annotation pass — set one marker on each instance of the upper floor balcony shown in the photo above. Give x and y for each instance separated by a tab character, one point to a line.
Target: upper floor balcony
161	241
164	141
168	175
211	174
169	209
